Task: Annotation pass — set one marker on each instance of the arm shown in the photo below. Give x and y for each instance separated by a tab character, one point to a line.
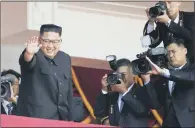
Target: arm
155	91
186	75
184	32
70	96
154	34
135	104
101	108
27	61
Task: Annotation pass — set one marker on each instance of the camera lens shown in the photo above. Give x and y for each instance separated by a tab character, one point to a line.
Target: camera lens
112	79
154	12
3	90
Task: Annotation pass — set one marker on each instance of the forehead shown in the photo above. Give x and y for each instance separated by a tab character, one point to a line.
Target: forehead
123	69
173	46
50	35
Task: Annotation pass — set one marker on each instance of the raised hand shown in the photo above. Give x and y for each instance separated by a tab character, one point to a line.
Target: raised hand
32	46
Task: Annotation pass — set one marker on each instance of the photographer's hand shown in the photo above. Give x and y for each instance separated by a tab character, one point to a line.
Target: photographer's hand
151	20
155	69
120	88
163	18
104	83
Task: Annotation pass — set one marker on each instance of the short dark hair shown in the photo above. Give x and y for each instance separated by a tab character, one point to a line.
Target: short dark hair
178	41
123	62
11	71
50	28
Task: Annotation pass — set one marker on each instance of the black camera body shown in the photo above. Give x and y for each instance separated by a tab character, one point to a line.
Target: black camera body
113	78
157	56
6	83
157	10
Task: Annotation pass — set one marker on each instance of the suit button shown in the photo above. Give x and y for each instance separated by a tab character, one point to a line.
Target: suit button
55	74
60	95
60	83
59	106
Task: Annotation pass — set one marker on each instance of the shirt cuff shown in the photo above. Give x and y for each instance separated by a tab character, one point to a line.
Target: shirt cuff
104	92
150	27
166	73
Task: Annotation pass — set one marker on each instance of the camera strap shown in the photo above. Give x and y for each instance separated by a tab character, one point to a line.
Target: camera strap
181	19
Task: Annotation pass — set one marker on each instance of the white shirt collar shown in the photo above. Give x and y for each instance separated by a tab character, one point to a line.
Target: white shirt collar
177	19
180	67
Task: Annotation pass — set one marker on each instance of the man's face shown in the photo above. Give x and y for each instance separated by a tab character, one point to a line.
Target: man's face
128	75
173	8
50	43
176	55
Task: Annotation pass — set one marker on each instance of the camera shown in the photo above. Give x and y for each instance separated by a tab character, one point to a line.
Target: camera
157	10
6	83
157	55
113	78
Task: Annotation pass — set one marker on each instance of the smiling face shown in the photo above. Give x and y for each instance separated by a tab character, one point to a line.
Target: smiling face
50	43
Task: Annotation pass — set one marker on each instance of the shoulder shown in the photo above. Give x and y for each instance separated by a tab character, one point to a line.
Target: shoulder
188	14
61	53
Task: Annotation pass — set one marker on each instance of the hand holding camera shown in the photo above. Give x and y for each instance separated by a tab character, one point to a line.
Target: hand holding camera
104	83
158	13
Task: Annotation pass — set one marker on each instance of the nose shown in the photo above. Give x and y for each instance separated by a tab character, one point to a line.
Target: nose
170	54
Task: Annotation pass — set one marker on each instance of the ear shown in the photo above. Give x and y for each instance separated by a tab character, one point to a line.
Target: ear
185	50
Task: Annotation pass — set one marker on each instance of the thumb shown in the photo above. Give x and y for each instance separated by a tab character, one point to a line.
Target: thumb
40	45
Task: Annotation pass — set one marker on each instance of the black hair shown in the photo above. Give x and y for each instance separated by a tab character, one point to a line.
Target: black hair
178	41
11	71
123	62
50	28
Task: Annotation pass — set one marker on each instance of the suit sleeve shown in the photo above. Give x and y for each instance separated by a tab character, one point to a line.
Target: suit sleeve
184	32
101	108
135	104
156	93
70	96
186	75
26	66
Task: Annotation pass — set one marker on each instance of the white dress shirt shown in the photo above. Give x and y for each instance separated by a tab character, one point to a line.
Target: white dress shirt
120	102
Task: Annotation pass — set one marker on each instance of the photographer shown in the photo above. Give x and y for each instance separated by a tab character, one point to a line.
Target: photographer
10	94
170	22
122	105
173	88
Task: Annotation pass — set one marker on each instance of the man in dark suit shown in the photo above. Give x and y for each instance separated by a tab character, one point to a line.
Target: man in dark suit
46	79
173	23
8	104
173	88
123	106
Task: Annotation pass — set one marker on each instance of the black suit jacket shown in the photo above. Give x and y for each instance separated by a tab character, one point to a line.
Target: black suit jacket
182	99
134	113
187	32
39	95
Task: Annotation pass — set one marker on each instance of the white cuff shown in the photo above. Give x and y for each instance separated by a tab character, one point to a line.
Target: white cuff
150	27
166	73
104	92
